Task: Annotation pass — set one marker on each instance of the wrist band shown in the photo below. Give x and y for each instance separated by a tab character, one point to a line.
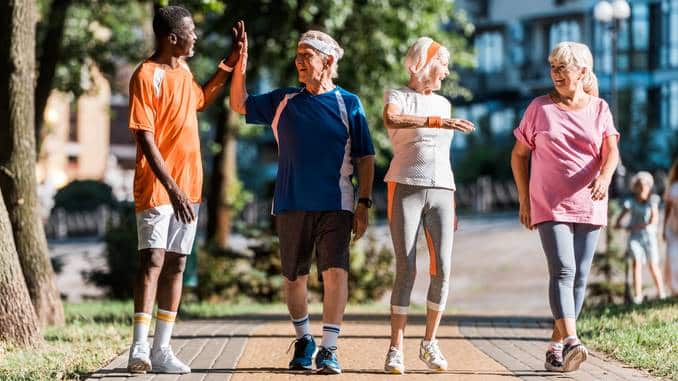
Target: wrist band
224	67
434	121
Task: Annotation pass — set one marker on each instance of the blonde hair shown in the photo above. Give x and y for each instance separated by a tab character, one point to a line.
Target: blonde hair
416	58
673	173
326	39
642	177
579	55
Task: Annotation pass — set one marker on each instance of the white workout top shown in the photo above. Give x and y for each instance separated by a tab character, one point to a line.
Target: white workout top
421	156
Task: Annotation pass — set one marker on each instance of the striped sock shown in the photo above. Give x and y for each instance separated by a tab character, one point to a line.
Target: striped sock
330	335
142	321
163	328
302	326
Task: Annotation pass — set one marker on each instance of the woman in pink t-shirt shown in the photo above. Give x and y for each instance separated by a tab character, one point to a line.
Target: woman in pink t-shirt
563	161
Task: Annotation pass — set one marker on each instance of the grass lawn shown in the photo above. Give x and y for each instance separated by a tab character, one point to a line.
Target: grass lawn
644	336
96	332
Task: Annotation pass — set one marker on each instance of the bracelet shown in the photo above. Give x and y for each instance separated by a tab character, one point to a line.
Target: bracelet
434	121
224	67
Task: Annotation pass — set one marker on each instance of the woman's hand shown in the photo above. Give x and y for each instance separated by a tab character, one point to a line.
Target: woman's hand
599	187
461	125
524	213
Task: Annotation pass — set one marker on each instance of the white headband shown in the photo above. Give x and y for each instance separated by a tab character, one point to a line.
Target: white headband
322	46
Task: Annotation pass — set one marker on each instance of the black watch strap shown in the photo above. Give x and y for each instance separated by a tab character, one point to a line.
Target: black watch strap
365	200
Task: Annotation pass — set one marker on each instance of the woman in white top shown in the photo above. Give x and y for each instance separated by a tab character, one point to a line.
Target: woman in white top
671	229
421	190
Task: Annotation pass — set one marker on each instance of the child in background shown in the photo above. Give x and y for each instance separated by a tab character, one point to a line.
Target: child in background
671	229
642	243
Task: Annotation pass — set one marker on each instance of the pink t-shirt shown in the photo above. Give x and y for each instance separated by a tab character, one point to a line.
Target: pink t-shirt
566	158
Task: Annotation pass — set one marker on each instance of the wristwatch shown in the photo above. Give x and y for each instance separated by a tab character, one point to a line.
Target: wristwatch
366	201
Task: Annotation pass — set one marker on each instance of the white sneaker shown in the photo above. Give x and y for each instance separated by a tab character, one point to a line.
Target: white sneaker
139	361
638	299
164	361
394	361
431	355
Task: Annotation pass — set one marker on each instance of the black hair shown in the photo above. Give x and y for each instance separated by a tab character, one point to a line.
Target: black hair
169	20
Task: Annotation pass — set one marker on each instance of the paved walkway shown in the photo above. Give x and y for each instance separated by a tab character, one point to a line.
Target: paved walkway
254	348
497	327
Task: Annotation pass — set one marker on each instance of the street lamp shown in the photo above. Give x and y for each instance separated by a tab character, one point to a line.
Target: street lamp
611	14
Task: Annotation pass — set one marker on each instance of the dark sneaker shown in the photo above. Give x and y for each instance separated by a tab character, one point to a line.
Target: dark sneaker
573	356
326	361
304	348
554	361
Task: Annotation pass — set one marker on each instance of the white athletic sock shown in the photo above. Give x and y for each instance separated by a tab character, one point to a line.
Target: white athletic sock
330	336
302	326
425	343
555	346
571	340
163	328
142	321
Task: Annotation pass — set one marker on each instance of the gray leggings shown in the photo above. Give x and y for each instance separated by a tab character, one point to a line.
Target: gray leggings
408	207
569	249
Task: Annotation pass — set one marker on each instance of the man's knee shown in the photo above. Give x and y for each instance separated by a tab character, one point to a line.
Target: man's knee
151	260
299	282
174	264
335	277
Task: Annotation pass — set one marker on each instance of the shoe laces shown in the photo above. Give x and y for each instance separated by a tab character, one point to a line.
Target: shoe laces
434	351
166	353
327	353
298	346
394	354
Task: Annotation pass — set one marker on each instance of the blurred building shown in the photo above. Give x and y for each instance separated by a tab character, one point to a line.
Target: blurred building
86	138
512	42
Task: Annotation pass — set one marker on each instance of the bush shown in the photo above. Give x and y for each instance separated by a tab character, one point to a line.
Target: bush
608	267
256	275
84	195
121	256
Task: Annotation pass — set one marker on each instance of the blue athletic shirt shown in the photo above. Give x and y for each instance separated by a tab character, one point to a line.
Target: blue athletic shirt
317	137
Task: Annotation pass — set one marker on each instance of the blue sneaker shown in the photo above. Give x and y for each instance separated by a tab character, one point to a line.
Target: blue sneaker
304	348
326	361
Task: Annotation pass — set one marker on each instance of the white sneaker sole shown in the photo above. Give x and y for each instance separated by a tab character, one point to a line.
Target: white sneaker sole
170	371
575	358
138	366
433	367
394	369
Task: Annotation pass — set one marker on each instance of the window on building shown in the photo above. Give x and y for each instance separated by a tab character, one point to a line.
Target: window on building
673	34
564	30
489	48
73	123
673	105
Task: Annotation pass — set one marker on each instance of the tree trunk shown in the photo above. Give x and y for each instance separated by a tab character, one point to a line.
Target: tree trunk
17	156
48	57
224	174
18	322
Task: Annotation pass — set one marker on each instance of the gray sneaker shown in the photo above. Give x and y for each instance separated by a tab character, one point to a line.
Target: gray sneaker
394	361
573	356
139	361
554	361
431	355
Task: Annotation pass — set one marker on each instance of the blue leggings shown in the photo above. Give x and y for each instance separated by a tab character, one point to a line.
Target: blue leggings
569	249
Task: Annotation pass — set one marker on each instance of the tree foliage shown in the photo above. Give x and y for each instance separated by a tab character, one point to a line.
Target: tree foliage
374	34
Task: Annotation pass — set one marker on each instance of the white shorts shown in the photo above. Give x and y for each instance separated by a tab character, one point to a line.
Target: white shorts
158	228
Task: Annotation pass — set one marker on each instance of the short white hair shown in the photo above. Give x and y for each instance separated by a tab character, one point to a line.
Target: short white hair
416	60
577	54
642	177
326	40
